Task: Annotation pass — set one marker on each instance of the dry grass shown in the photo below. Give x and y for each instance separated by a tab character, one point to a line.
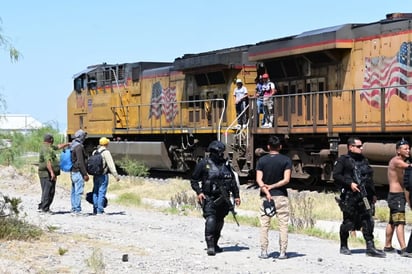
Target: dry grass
324	204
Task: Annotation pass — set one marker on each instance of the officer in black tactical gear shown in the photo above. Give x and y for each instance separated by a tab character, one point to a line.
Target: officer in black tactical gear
213	180
354	176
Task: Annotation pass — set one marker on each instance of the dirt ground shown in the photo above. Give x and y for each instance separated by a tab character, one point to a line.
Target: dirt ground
156	242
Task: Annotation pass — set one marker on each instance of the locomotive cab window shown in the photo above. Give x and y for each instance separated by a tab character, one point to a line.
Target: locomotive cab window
78	84
211	78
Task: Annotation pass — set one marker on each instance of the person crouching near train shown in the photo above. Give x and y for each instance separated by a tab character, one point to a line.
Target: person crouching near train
214	181
101	182
353	174
273	172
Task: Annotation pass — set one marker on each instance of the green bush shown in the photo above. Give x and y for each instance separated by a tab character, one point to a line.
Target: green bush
24	143
11	227
130	199
134	168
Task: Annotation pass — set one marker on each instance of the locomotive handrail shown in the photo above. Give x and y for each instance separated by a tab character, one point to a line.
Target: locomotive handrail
179	103
298	112
241	129
340	90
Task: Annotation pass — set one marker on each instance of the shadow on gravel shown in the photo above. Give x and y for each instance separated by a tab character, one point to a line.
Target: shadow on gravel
358	251
234	248
116	213
61	212
290	255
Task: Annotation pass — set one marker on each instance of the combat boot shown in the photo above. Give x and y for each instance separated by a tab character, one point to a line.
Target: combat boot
372	251
344	246
210	243
345	250
218	249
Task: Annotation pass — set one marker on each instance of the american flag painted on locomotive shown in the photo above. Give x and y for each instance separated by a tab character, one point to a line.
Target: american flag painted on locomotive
163	101
388	71
169	107
156	101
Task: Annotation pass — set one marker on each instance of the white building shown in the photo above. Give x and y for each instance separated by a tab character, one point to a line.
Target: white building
22	123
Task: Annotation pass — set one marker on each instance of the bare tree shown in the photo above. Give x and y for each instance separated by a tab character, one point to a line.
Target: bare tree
8	46
14	57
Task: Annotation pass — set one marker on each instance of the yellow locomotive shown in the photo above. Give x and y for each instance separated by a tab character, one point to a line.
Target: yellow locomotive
352	79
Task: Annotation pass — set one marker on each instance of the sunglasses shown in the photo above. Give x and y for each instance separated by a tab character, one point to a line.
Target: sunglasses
358	146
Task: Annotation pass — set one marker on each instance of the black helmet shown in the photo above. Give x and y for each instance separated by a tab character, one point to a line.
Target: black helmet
216	147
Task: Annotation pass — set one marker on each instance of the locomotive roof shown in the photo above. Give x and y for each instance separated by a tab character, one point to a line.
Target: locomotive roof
142	65
157	71
228	57
316	40
330	38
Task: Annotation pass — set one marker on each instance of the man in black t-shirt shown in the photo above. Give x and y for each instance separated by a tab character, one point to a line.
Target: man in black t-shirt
272	175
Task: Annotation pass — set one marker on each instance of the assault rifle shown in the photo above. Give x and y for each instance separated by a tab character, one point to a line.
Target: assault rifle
362	188
224	195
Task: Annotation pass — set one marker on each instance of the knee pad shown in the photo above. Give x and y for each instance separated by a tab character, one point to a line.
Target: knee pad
210	225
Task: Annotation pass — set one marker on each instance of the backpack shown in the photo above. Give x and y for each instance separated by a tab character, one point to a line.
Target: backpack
94	165
89	198
66	160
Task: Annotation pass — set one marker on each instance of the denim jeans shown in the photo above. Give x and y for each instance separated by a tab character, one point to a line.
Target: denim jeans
260	110
100	184
77	191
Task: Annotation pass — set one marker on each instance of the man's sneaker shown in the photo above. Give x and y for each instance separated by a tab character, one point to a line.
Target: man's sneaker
345	251
406	254
283	256
264	255
389	249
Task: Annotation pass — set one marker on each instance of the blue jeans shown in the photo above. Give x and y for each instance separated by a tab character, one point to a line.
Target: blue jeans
260	110
77	191
100	184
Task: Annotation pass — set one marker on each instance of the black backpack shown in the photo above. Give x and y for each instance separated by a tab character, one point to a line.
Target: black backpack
94	163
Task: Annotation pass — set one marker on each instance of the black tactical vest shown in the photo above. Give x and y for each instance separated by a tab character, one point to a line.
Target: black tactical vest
217	175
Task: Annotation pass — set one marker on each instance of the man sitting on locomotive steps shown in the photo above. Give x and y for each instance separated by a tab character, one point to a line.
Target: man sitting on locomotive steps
217	181
354	176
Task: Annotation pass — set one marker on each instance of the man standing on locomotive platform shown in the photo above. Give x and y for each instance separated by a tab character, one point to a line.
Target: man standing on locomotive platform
241	101
214	182
269	90
259	101
354	176
78	172
397	199
273	173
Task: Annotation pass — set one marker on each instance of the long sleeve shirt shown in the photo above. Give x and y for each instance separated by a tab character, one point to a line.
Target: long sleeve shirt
108	163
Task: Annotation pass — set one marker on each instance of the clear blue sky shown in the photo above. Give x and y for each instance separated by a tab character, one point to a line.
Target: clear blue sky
57	39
